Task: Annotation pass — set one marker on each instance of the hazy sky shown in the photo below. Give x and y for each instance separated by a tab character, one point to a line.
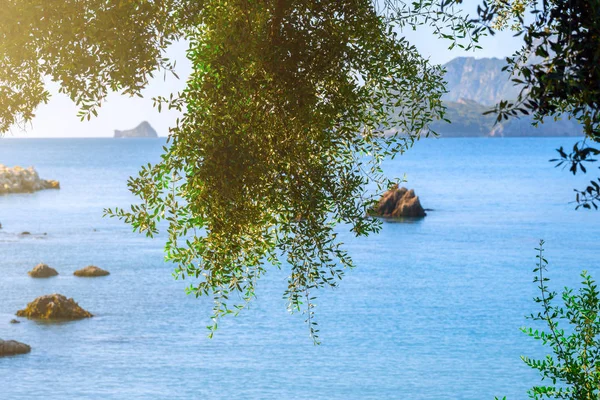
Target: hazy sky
59	118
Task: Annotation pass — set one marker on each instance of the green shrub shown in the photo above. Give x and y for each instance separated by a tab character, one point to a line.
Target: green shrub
573	327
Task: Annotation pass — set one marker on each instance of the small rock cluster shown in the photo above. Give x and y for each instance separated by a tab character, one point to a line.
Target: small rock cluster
23	180
44	271
51	307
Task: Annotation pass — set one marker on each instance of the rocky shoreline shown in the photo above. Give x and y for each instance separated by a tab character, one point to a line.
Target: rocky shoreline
51	307
23	180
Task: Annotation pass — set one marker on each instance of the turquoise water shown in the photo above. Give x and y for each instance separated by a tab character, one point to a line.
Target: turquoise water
432	312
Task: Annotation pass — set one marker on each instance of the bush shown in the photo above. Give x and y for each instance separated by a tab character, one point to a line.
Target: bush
573	368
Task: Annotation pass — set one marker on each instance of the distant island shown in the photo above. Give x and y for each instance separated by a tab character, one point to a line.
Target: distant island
477	85
143	130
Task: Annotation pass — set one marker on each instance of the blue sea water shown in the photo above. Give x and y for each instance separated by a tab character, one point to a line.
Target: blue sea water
432	311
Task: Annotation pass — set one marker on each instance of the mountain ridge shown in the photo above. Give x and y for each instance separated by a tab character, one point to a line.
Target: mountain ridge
476	86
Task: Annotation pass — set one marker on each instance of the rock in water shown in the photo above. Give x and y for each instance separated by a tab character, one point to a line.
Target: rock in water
23	180
15	321
53	306
91	271
12	347
399	202
42	271
143	130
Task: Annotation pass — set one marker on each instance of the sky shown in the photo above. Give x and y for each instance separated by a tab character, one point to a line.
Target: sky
59	118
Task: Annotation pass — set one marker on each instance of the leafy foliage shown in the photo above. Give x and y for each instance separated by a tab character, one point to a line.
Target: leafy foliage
590	196
288	112
89	47
446	18
574	366
558	69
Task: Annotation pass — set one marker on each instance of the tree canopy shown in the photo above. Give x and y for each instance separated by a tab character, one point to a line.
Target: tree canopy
286	116
89	47
557	68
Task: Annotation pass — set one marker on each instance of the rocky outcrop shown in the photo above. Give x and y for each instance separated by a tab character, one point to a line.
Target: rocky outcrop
53	306
12	348
143	130
91	271
42	271
399	202
23	180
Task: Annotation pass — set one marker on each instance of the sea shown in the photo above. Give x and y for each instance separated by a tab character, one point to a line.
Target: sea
433	309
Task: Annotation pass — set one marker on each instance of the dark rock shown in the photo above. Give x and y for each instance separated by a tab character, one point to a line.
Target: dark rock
15	321
42	271
91	271
143	130
25	233
12	347
53	306
399	202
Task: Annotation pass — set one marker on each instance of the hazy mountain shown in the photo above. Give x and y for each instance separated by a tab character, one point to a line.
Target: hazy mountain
467	120
480	80
475	86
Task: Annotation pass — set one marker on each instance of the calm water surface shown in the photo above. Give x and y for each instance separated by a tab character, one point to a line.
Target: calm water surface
432	312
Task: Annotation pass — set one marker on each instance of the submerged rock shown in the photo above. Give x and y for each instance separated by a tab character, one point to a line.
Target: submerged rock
90	271
15	321
399	202
23	180
53	306
42	271
143	130
12	347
